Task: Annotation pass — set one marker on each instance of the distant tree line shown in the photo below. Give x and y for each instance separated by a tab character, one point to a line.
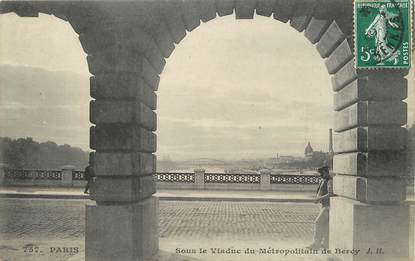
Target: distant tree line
28	154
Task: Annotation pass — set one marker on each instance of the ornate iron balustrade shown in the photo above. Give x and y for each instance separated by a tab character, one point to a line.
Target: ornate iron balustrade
175	177
171	177
232	178
78	175
33	174
294	179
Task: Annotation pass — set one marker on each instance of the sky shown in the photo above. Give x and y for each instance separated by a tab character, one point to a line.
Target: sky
231	89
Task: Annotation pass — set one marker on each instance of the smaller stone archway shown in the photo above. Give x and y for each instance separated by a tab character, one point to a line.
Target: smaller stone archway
127	43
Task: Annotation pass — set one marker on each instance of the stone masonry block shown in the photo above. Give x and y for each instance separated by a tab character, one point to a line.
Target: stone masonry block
381	189
122	232
23	9
370	113
284	10
94	41
372	138
122	188
123	61
302	14
82	19
370	189
165	42
208	10
162	46
224	7
150	76
123	87
107	111
344	76
174	21
61	15
244	9
330	40
124	164
371	88
136	40
370	164
350	94
191	14
115	60
385	112
348	74
339	57
345	187
355	225
265	7
340	222
122	137
315	29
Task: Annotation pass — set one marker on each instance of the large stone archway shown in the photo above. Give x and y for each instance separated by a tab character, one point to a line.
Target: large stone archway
127	43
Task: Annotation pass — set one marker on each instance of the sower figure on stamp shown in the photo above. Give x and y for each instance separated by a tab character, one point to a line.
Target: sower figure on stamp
89	175
378	29
324	192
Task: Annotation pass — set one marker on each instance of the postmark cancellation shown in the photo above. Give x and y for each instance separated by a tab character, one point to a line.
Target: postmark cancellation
382	34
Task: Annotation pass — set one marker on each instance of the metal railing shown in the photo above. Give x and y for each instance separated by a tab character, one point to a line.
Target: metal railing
78	175
33	174
294	179
179	177
232	178
175	177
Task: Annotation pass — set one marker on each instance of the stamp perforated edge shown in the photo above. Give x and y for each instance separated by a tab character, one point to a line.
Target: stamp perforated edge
411	41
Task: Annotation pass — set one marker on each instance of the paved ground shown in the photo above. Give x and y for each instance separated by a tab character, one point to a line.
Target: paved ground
45	224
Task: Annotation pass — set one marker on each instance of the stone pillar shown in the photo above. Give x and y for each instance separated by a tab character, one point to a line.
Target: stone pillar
199	179
67	175
369	147
123	225
265	179
369	161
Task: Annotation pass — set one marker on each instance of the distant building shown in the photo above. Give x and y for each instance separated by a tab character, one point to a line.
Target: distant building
308	152
284	159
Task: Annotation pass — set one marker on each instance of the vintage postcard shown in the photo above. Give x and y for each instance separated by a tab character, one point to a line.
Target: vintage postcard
207	130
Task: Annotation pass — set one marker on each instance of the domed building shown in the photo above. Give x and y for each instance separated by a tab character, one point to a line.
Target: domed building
308	152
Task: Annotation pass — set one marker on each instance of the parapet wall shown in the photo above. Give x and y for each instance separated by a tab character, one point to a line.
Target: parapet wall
198	180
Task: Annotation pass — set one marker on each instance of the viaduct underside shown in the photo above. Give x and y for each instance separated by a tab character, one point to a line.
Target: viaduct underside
127	42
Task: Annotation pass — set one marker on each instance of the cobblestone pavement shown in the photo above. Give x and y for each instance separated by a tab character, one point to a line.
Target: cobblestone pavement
26	223
39	229
42	229
237	220
65	219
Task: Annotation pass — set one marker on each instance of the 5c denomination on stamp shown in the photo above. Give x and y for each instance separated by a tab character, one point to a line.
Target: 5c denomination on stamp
382	33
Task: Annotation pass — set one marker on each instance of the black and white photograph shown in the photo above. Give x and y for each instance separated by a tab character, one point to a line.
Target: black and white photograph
207	130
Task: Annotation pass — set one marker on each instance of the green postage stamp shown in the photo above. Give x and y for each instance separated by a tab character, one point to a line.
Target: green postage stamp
382	33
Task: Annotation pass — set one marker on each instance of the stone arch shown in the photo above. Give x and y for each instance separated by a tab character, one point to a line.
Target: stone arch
127	43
